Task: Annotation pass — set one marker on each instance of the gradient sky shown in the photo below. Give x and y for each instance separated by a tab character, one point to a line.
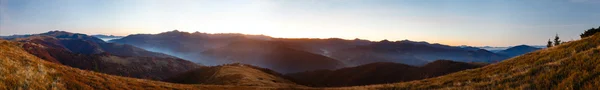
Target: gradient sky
452	22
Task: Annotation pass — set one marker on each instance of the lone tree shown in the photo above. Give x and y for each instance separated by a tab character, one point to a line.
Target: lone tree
590	32
557	40
549	43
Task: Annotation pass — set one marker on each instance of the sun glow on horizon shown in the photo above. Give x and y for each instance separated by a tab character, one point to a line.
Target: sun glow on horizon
476	23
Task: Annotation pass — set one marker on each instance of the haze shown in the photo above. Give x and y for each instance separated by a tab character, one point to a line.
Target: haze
452	22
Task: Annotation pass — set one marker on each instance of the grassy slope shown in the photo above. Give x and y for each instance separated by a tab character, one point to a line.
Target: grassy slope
572	65
20	70
232	74
378	73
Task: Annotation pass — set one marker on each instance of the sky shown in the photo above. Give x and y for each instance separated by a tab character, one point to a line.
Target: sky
451	22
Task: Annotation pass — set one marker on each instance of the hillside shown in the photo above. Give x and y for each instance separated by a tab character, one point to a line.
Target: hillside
201	48
569	66
518	50
20	70
378	73
272	55
76	50
233	74
411	53
84	44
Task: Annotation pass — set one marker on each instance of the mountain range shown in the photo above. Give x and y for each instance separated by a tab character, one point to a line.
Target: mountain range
570	66
106	37
518	50
64	60
90	53
268	52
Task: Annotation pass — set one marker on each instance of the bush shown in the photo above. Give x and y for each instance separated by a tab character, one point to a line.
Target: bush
590	32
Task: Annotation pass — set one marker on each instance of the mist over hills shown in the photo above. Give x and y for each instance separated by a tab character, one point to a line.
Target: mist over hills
201	48
107	38
518	50
90	53
572	64
21	70
272	55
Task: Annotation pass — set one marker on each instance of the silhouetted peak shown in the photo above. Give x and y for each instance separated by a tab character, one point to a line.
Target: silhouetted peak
174	33
412	42
56	32
522	47
384	41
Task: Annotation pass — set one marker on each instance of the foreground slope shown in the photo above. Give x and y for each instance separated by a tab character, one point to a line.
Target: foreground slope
20	70
233	74
572	65
378	73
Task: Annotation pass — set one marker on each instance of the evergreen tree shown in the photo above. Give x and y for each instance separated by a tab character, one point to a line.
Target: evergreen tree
557	40
549	43
590	32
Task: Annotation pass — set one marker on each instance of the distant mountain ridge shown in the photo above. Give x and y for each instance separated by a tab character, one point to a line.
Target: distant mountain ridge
569	66
412	53
272	55
195	46
106	36
518	50
22	71
90	53
216	49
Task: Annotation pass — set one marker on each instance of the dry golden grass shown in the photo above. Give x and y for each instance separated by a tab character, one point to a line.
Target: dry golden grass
572	65
21	70
247	76
233	74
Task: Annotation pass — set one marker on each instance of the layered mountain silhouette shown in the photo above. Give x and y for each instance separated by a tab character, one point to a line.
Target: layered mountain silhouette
21	70
412	53
46	61
106	37
90	53
571	65
217	49
378	73
273	53
518	50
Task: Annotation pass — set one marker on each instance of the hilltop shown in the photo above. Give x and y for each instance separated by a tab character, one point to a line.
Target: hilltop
233	74
518	50
571	65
